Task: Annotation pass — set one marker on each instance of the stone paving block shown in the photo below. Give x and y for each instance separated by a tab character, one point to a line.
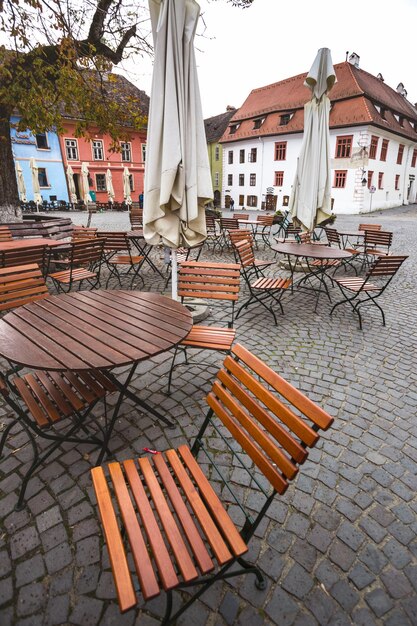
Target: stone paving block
29	570
57	611
31	599
86	611
379	602
57	558
396	583
24	541
281	608
361	576
297	582
345	595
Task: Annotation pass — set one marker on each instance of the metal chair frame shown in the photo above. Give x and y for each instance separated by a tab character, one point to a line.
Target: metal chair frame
82	264
118	253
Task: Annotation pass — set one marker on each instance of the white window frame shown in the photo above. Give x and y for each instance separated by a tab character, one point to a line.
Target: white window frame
143	153
69	147
104	179
125	150
48	184
97	149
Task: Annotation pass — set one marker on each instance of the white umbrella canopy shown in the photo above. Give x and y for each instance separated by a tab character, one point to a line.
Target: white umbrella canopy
177	172
109	185
310	200
85	184
71	185
126	186
35	182
21	187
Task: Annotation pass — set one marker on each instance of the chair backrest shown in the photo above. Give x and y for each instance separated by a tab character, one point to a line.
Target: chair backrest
210	224
242	216
114	241
83	232
26	256
333	237
245	253
136	216
369	226
268	418
86	253
385	266
20	285
216	281
5	233
306	237
266	220
378	239
239	234
229	223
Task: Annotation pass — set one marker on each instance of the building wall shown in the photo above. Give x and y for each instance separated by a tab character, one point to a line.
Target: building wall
24	147
352	198
215	151
111	160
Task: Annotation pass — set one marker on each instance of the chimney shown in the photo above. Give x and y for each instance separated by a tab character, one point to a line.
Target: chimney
230	108
402	90
380	77
354	59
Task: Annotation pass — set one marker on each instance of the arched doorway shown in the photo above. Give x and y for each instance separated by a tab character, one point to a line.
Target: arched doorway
216	199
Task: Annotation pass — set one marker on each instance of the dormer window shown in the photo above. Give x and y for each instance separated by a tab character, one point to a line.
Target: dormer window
285	118
399	119
258	122
380	110
233	128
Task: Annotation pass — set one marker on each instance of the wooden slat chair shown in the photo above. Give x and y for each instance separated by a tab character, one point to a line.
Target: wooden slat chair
136	218
376	243
163	512
80	233
265	290
369	226
359	291
83	264
52	408
242	216
283	227
183	255
5	233
21	285
254	265
334	239
26	256
263	231
118	254
213	231
226	224
218	282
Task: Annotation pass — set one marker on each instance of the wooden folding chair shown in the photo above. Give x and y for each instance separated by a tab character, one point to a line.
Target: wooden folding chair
26	256
82	264
266	291
263	231
21	285
183	255
80	233
164	513
213	231
226	224
118	254
369	226
5	233
359	292
255	265
334	239
136	218
209	281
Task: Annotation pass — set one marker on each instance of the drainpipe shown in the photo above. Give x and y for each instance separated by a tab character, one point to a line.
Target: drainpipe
406	175
261	139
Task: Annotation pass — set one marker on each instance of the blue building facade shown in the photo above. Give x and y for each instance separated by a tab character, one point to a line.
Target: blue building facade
45	149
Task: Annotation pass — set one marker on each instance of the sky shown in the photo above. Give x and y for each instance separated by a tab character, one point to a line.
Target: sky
239	50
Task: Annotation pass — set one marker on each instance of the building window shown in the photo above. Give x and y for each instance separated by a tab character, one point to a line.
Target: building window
370	177
131	185
279	179
285	119
233	128
42	177
252	201
397	182
230	157
241	180
42	141
373	147
280	150
241	200
343	147
216	179
143	152
217	153
252	180
380	180
340	179
229	180
414	158
241	156
71	148
98	153
400	154
126	151
384	150
253	156
100	182
258	123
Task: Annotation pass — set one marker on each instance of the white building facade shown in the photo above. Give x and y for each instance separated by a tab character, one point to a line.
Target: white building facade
373	163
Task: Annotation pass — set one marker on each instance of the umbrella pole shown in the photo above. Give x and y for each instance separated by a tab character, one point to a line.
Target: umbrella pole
174	275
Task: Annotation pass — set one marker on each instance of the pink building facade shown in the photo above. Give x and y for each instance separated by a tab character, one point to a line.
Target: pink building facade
95	152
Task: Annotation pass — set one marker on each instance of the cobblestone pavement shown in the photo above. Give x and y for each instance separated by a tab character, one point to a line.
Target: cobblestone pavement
339	548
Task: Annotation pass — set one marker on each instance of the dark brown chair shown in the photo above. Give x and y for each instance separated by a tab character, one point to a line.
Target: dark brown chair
136	218
334	239
209	281
266	291
359	292
82	264
369	226
263	231
26	256
118	255
226	224
213	231
80	233
163	522
21	285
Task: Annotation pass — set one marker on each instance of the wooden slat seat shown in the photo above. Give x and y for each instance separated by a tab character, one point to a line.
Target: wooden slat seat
84	264
266	291
5	233
208	281
164	512
21	285
334	239
118	253
359	292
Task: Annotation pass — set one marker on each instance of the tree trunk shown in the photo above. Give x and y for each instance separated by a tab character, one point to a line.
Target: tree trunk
10	210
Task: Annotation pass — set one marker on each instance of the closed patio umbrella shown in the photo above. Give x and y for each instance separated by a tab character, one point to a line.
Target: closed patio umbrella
71	185
35	183
177	173
20	182
126	186
85	184
109	186
310	201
